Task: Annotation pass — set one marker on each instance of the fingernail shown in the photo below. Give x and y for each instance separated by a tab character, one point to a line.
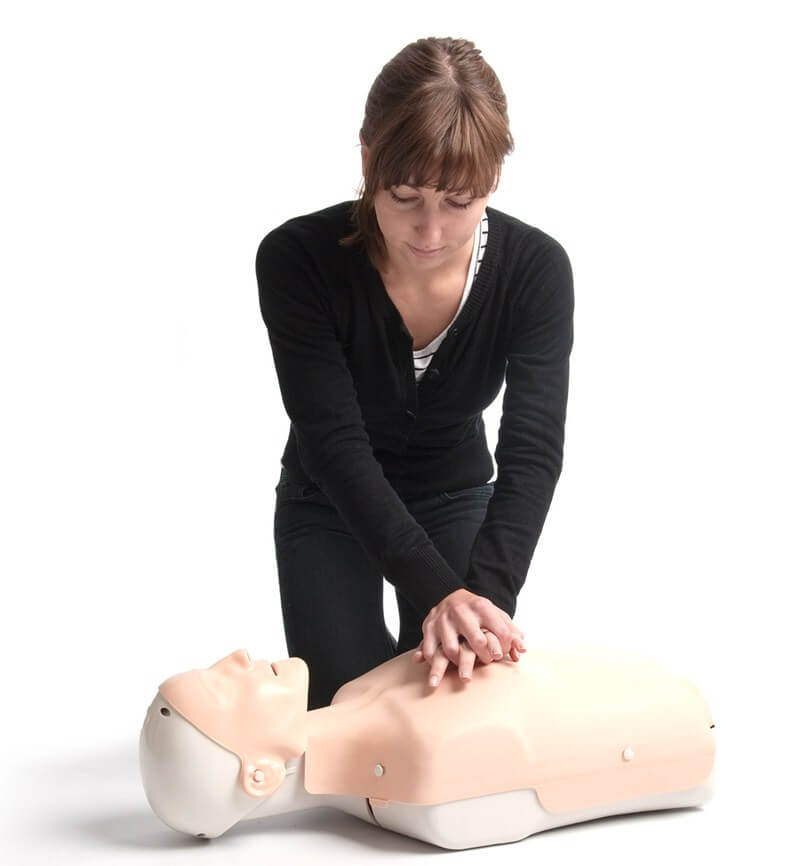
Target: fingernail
497	654
434	680
465	676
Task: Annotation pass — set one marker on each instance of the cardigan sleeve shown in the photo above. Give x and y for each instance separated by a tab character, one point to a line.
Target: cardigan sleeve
531	436
320	399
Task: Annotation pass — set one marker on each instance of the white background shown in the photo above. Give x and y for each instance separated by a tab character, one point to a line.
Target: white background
149	146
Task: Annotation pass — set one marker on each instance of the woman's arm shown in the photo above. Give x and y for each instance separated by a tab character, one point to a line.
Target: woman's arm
531	437
320	399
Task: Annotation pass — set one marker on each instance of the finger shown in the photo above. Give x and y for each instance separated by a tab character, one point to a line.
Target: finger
497	649
519	639
494	645
467	621
430	638
516	647
518	633
466	661
476	637
438	667
449	641
462	621
515	630
498	621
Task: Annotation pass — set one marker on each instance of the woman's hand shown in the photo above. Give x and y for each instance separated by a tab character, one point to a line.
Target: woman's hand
488	632
466	657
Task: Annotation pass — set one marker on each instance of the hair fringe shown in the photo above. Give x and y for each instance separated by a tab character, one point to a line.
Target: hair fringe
437	112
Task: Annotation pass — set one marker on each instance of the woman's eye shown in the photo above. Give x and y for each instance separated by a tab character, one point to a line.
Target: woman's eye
406	200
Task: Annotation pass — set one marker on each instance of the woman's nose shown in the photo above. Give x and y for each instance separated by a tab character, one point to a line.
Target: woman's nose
428	235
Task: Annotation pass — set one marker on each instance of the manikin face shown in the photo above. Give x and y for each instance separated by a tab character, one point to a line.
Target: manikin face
427	233
215	740
254	709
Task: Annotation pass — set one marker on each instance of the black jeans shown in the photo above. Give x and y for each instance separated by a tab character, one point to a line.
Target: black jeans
332	592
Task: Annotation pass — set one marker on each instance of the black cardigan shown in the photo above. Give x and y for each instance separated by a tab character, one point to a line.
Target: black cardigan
369	435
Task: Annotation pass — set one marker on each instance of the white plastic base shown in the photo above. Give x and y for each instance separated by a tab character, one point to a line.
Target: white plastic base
510	816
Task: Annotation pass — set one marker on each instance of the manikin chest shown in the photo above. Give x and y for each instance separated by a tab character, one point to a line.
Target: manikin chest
567	724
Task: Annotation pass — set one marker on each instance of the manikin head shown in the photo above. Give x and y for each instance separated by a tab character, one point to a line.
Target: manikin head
435	133
215	740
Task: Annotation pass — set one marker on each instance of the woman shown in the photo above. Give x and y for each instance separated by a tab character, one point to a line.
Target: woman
394	321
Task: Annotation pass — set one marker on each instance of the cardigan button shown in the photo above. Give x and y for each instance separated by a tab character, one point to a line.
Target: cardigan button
410	414
433	373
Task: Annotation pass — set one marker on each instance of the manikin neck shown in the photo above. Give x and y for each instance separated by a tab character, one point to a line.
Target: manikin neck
292	795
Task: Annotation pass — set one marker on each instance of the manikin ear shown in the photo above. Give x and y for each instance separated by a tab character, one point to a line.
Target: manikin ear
263	777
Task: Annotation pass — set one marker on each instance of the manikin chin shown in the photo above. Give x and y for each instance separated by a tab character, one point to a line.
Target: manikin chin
561	736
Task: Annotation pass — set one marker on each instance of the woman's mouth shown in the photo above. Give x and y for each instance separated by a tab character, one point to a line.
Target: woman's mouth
426	254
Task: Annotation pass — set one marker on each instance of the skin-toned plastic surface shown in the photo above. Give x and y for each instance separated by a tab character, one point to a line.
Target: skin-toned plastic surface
582	727
192	784
254	709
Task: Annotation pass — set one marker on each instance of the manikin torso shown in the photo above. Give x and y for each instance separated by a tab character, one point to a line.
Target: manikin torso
555	738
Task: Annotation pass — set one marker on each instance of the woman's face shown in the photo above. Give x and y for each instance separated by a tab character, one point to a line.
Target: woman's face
426	231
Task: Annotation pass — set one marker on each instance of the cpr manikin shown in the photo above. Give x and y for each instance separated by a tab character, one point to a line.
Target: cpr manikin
558	737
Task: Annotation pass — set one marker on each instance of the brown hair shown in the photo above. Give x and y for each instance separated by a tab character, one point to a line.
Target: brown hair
435	116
